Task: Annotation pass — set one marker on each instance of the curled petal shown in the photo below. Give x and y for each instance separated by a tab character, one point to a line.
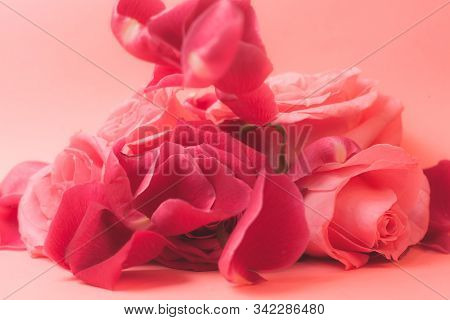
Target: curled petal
211	45
257	107
256	243
71	212
16	180
329	150
103	246
248	71
129	26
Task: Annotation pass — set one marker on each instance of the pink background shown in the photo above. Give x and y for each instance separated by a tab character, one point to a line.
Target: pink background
48	92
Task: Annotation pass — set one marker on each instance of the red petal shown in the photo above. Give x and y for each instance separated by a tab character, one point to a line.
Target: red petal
211	44
248	71
176	217
102	246
272	234
72	209
257	107
140	249
9	229
438	236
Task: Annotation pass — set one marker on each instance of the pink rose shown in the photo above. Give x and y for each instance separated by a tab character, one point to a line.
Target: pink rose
81	162
332	104
192	198
374	201
338	104
438	235
161	108
11	191
202	43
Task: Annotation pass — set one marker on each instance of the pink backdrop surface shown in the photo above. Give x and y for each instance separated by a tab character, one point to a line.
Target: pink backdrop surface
48	92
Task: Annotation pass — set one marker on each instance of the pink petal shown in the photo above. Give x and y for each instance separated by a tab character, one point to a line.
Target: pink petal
438	236
211	44
11	191
256	107
272	234
248	71
16	180
329	150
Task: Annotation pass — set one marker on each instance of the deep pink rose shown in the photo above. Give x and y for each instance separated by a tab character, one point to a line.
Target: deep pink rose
192	198
438	236
201	43
161	108
356	204
332	104
11	191
81	162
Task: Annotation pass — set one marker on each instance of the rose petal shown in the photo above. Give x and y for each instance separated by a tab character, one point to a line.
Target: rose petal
177	217
128	24
103	246
256	243
71	212
438	235
248	71
210	45
256	107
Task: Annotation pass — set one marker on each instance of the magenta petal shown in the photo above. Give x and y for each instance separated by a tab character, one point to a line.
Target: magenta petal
140	10
71	212
438	236
211	44
140	249
248	71
128	24
9	229
272	234
176	217
257	107
169	26
102	246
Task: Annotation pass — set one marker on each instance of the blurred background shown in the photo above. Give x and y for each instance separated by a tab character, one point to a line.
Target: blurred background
48	92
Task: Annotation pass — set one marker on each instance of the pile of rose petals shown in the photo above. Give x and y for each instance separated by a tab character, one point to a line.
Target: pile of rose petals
215	165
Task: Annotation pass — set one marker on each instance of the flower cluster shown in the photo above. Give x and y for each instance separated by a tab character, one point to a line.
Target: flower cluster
214	165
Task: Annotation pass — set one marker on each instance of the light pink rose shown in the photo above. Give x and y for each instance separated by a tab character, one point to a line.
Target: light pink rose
333	104
162	109
376	201
81	162
11	191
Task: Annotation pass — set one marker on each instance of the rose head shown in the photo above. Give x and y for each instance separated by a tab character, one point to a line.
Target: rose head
374	201
332	104
201	199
